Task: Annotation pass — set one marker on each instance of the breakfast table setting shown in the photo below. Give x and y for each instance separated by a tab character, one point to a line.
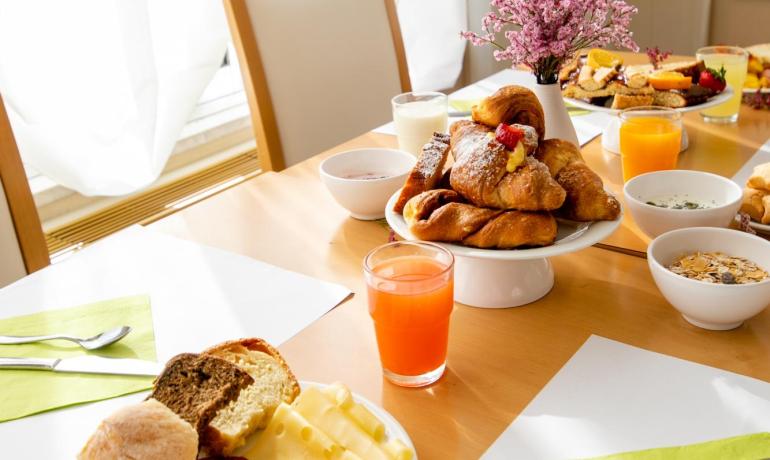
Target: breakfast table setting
486	276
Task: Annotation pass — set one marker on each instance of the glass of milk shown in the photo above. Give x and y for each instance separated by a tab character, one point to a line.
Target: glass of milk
417	116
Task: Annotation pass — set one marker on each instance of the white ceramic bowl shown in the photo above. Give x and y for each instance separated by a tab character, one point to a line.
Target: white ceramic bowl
366	198
722	194
706	305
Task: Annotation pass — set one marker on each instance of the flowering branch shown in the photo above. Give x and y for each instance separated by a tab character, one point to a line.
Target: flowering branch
656	56
542	34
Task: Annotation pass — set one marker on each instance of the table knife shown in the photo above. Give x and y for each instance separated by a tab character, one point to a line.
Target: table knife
85	365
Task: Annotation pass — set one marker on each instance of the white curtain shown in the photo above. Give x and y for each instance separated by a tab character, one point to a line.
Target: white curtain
431	34
99	90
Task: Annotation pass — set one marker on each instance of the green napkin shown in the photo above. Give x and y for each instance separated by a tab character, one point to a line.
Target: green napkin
747	447
30	392
464	105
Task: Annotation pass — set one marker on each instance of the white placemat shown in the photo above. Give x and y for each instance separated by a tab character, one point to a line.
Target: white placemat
587	126
762	156
200	296
611	397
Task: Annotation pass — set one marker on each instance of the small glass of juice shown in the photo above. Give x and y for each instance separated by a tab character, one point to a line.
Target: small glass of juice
417	116
411	296
735	61
650	139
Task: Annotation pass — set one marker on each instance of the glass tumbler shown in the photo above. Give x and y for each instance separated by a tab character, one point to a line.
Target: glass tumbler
417	116
410	288
650	139
735	62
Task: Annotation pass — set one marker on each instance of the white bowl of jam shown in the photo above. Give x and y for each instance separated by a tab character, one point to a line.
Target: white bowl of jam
362	180
661	201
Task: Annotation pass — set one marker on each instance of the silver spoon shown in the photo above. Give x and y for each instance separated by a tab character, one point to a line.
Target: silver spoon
91	343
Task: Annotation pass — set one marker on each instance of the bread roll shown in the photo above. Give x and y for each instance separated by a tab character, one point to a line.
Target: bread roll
760	178
752	203
147	431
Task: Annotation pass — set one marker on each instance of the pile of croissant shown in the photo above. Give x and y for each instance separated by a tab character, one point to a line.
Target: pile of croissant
494	196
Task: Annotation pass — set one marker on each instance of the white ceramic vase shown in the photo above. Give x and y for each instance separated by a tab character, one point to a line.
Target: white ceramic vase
557	121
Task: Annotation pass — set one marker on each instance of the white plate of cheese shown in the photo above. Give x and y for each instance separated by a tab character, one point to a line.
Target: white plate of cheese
330	422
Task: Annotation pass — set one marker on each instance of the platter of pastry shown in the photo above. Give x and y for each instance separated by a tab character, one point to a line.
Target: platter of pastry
494	188
598	80
758	72
756	198
240	399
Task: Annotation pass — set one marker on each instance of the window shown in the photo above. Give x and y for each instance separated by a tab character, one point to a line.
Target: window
218	129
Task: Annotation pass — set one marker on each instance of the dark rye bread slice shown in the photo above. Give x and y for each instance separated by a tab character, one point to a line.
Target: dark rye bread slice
427	172
195	387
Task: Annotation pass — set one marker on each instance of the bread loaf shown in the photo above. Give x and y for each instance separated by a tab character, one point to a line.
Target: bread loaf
196	387
273	383
147	431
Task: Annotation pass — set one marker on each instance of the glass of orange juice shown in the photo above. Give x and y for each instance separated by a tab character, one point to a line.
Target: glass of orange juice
411	296
735	61
650	139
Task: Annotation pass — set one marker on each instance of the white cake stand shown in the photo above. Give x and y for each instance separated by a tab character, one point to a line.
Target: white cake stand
497	278
611	132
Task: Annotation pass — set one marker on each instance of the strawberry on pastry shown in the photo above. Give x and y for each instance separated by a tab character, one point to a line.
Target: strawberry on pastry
519	140
528	137
713	79
508	135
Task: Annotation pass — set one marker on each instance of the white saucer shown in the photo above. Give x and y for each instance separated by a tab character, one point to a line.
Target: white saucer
502	278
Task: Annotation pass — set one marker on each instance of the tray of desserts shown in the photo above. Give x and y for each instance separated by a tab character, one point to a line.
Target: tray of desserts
758	71
509	193
598	80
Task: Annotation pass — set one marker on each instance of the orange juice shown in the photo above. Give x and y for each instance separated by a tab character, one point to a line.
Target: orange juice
410	300
648	144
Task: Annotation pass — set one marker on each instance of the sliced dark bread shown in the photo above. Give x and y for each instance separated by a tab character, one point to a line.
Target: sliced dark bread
196	387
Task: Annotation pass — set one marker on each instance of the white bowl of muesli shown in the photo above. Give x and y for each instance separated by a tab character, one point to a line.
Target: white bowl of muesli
716	277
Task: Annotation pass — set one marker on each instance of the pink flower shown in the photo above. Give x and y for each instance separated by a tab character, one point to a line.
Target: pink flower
542	34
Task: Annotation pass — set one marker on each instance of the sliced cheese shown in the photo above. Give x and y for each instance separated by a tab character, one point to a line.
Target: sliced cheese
341	396
368	421
322	412
290	436
398	450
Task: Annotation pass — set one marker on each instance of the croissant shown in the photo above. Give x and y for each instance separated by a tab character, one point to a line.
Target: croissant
509	105
439	215
586	198
482	173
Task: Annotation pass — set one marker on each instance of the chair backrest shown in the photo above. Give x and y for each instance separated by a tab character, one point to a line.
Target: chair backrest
22	244
316	72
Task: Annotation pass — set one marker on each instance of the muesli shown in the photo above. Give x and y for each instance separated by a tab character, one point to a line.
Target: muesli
719	268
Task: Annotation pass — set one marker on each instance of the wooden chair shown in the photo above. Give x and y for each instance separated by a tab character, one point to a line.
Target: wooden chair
22	245
316	72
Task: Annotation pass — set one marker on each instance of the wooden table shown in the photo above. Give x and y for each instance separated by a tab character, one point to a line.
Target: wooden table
498	359
720	149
